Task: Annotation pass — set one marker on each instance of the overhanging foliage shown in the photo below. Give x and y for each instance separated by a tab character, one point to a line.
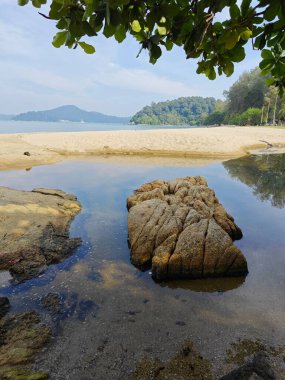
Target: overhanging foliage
201	27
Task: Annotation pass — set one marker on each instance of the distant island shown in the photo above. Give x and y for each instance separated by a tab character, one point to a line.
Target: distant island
183	111
66	113
6	117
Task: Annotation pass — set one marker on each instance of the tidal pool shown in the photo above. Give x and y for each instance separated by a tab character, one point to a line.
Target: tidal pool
115	314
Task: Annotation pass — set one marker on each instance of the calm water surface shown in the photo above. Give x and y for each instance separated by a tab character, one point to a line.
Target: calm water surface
116	313
11	126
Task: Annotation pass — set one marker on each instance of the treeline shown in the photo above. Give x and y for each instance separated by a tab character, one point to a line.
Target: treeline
249	101
190	110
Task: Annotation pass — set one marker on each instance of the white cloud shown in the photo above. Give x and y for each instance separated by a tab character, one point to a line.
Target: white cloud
14	40
114	75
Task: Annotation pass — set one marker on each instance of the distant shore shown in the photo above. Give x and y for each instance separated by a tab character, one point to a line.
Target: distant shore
216	143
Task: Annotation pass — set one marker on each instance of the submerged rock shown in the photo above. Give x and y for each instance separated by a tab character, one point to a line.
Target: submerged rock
52	302
180	230
22	374
257	368
34	230
188	364
21	337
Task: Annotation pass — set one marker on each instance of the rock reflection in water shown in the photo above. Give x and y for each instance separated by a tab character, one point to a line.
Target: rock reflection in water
209	285
265	174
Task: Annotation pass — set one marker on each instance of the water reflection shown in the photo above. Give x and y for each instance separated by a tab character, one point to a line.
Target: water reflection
265	174
121	313
210	285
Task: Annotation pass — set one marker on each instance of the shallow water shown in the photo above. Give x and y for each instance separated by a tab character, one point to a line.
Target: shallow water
10	126
116	314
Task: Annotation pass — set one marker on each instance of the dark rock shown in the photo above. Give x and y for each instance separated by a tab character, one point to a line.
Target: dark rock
259	367
4	306
180	230
27	153
180	323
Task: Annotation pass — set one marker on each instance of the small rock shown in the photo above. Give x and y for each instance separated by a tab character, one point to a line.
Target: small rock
180	323
27	153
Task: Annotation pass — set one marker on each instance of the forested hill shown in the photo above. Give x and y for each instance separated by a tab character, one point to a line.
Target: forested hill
190	110
70	113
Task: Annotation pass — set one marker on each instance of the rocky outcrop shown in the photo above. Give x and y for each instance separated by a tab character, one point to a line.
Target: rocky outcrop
34	230
180	230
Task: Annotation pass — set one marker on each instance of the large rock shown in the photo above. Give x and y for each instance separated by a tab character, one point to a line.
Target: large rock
180	230
34	230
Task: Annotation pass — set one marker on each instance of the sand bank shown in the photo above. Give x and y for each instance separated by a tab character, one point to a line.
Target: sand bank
214	143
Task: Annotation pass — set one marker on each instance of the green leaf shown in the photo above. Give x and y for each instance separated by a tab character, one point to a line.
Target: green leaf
62	24
155	53
237	54
211	73
272	10
266	64
162	30
260	42
37	3
120	33
269	81
267	54
89	49
168	45
246	34
245	7
228	68
109	30
234	11
22	2
232	38
136	27
59	39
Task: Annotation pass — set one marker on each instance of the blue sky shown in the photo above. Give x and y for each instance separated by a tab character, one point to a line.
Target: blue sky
35	76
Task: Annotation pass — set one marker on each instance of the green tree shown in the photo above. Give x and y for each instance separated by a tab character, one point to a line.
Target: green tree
194	25
251	116
273	106
216	118
248	91
190	111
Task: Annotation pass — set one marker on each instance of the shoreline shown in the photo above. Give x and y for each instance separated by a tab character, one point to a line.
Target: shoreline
216	144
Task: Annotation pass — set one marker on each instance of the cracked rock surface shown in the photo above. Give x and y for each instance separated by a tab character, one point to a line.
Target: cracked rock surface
180	230
34	230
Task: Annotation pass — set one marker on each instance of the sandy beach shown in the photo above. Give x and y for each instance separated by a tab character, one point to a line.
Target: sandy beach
208	143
